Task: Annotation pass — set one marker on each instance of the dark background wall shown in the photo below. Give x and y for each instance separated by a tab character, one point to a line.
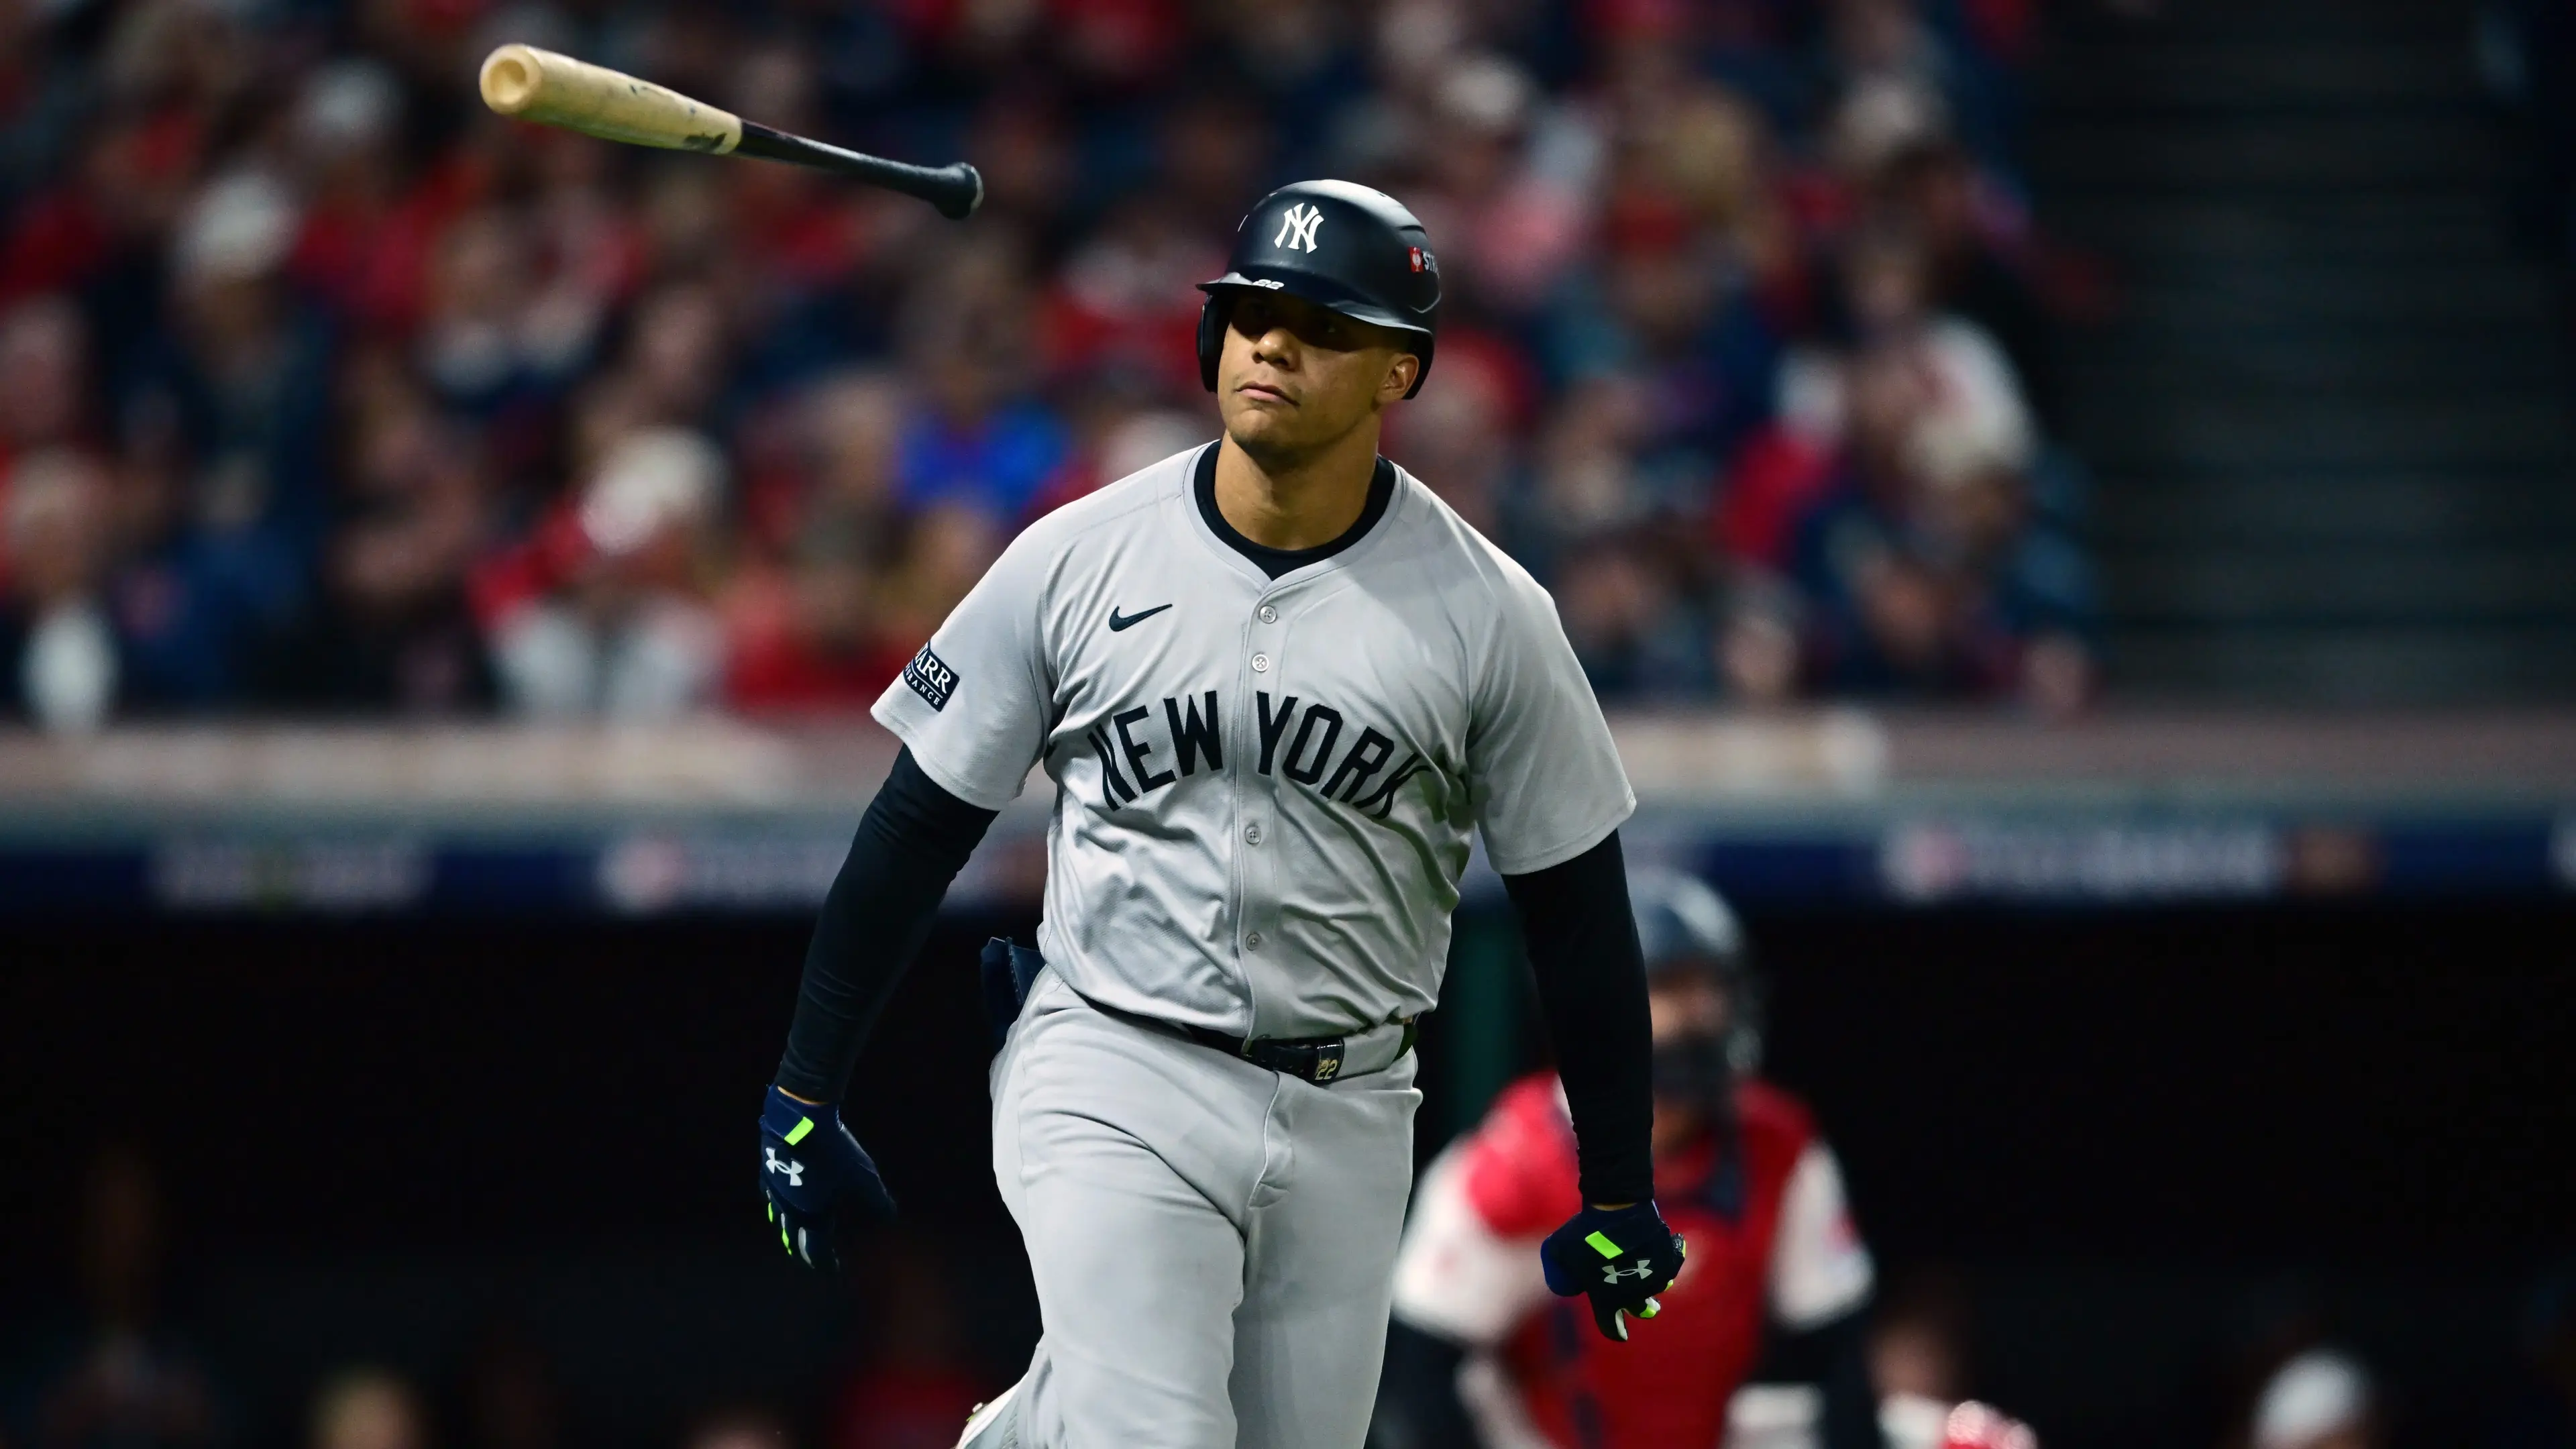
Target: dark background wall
2141	1141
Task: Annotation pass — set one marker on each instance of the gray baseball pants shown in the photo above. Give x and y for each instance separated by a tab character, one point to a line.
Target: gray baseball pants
1214	1242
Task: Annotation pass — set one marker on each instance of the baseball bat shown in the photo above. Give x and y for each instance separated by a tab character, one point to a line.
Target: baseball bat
557	90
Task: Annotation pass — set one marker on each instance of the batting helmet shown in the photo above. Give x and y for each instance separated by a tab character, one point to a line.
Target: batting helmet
1683	926
1341	246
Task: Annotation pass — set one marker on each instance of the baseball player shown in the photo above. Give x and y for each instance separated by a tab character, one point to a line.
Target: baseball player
1276	683
1778	1278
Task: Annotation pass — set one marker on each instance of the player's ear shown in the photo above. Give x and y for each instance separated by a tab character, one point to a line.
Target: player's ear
1400	374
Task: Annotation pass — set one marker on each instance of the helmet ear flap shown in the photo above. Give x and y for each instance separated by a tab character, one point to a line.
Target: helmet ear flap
1212	320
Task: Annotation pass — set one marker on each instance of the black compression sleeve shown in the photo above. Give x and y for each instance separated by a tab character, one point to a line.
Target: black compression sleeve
910	845
1592	990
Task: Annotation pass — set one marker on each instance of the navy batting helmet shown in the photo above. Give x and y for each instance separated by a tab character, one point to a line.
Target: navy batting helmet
1684	926
1343	247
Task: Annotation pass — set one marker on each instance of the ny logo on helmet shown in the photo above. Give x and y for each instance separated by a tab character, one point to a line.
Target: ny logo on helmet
1613	1273
1297	227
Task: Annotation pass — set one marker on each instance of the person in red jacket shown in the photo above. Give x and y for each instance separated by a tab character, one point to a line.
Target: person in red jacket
1777	1277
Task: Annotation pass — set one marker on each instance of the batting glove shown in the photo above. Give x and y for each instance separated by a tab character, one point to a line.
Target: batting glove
816	1176
1620	1258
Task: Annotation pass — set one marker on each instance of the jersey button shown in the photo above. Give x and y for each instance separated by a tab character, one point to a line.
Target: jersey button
1268	614
1252	833
1261	664
1252	940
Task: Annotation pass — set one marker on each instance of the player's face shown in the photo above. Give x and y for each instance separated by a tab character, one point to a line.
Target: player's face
1684	1006
1691	1072
1294	378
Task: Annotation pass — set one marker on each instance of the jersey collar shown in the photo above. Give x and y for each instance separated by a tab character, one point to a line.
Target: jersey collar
1199	502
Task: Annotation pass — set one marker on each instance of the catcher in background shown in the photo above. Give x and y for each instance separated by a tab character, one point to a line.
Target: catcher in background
1777	1279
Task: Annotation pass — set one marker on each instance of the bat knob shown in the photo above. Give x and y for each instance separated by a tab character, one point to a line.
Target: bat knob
962	192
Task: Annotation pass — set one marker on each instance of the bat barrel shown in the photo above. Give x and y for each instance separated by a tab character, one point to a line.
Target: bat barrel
557	90
510	79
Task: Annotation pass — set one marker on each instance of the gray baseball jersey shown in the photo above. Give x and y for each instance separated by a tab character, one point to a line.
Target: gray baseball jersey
1265	787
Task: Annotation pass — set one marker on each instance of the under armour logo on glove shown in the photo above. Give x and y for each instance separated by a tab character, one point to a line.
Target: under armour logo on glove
1619	1258
817	1178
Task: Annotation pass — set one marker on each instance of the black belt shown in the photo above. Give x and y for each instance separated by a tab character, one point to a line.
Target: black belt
1010	969
1316	1059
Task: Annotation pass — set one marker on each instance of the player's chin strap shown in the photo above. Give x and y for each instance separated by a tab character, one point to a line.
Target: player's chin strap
1010	970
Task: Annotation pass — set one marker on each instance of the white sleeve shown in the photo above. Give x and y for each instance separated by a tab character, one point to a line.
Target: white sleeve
1820	1269
974	704
1545	777
1453	1275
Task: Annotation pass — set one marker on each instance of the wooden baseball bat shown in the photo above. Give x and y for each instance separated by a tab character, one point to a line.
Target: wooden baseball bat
557	90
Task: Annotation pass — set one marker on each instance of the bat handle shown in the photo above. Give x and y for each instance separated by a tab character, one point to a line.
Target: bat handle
955	190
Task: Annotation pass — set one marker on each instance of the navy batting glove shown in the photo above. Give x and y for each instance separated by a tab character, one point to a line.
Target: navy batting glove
1620	1258
817	1178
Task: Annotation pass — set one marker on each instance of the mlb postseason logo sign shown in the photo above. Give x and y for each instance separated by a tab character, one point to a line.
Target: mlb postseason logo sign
931	678
1297	227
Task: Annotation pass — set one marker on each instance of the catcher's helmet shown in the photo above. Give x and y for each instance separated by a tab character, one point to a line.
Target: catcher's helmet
1341	246
1684	926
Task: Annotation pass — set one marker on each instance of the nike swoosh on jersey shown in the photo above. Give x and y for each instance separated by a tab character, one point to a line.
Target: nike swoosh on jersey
1118	621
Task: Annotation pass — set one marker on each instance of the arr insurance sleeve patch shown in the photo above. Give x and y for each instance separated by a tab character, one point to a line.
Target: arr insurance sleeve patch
931	678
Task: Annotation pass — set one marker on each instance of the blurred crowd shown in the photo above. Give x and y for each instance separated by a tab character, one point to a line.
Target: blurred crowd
123	1368
323	390
129	1365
